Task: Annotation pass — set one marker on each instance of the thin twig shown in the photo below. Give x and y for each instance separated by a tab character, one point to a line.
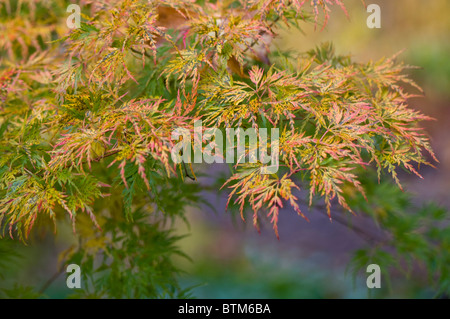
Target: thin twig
356	229
145	53
51	280
261	33
98	158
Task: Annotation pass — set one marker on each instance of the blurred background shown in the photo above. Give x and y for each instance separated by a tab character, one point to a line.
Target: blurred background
310	259
230	259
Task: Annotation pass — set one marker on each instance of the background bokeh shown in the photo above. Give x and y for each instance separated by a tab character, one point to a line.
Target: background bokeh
310	259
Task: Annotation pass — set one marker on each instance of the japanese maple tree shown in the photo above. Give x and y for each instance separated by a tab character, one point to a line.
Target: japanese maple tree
87	115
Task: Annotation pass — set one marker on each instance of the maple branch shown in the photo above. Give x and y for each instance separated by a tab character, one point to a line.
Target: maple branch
370	238
106	154
145	53
51	280
261	33
98	158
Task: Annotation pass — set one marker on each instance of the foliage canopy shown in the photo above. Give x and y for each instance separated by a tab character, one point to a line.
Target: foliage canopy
86	120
